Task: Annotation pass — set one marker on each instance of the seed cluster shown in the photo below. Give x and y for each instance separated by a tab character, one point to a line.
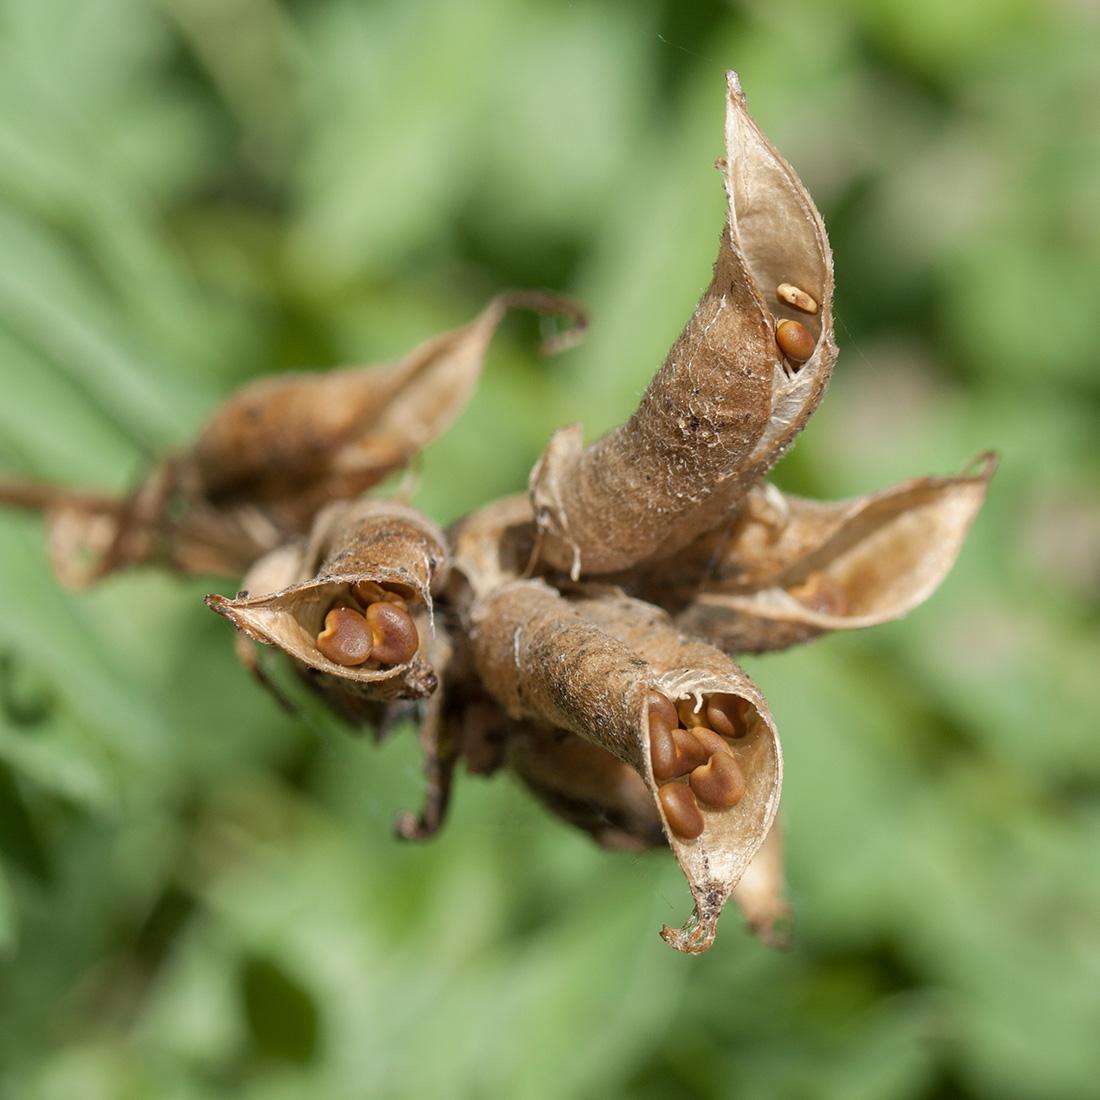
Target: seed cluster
377	630
692	759
795	340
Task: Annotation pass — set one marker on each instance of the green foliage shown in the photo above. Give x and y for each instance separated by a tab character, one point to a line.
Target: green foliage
200	897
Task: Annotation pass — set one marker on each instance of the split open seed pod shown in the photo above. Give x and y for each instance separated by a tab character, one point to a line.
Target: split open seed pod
612	671
730	397
789	569
273	454
355	608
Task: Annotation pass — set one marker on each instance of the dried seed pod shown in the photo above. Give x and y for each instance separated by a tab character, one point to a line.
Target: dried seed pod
492	547
589	665
786	574
272	455
722	408
382	542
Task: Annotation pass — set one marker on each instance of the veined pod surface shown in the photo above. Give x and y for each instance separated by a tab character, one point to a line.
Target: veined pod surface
725	404
363	557
789	569
590	666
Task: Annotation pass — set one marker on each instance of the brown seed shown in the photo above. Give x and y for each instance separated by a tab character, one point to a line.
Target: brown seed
368	592
795	341
726	715
719	782
394	632
795	296
674	752
660	708
346	638
662	752
681	809
711	742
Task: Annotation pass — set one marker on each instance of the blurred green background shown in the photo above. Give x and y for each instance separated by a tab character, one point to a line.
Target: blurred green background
201	898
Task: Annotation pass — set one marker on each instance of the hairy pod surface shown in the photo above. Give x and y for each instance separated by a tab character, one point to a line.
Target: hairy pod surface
724	405
593	665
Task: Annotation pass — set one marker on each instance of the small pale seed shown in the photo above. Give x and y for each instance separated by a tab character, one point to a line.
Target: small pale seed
795	341
795	296
719	782
346	638
726	715
682	811
394	632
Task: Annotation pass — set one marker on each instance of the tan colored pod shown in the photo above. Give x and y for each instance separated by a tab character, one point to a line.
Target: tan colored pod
723	407
791	569
379	541
590	665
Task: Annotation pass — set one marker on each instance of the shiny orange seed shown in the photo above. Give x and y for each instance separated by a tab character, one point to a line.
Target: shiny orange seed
394	633
726	715
719	782
681	809
795	341
346	638
795	296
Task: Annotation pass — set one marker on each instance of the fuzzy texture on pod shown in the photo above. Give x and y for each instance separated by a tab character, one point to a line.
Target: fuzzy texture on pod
723	407
587	665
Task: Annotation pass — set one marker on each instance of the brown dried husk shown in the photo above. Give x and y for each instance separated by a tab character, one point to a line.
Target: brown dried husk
376	540
724	406
272	455
789	569
587	666
586	786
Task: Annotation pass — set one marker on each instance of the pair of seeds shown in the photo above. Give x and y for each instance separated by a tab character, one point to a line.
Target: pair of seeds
691	744
795	340
383	633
